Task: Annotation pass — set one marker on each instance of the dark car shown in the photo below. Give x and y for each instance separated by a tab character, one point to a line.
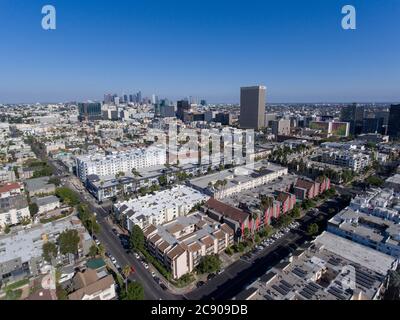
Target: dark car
199	284
210	276
163	286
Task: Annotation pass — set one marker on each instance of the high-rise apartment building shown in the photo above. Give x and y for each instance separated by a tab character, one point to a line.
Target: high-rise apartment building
252	107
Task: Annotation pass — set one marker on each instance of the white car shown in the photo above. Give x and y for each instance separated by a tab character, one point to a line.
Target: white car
97	242
113	260
153	274
137	256
146	265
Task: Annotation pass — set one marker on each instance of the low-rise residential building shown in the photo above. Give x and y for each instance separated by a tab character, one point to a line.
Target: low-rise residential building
355	161
47	203
369	230
158	208
181	243
237	219
383	203
331	268
39	186
393	182
13	210
308	189
228	182
11	189
21	252
93	285
7	174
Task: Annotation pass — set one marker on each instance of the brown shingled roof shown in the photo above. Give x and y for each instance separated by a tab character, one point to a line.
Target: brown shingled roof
226	210
304	184
98	285
149	230
208	241
227	229
175	252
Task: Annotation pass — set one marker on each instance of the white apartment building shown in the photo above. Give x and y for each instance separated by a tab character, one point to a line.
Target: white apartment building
355	161
106	165
229	182
13	209
158	208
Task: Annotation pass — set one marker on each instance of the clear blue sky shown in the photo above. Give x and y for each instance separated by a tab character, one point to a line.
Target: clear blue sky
207	49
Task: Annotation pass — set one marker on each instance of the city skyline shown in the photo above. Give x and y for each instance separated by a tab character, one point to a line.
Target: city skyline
204	50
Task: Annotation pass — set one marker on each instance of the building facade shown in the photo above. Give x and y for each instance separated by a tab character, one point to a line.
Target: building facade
252	107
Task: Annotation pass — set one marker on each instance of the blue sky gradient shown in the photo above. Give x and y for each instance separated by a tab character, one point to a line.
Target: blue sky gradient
206	49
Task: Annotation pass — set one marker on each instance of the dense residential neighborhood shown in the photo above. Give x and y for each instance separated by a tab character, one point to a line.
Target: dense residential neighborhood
128	216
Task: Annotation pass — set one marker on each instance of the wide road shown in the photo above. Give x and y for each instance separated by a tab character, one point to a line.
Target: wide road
112	244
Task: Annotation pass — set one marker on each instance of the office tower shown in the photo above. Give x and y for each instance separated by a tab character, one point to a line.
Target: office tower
281	127
108	98
252	107
268	118
394	121
372	125
116	100
131	98
125	98
354	114
208	115
167	111
154	99
139	97
203	102
90	111
224	118
182	107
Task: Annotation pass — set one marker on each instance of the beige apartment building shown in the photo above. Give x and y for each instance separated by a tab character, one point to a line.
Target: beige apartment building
181	243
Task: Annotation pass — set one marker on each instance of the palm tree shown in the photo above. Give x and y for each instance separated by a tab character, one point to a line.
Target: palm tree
126	271
254	217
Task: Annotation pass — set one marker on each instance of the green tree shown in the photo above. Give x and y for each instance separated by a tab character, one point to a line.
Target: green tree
137	238
295	212
33	208
134	291
68	241
7	229
375	181
67	196
312	229
93	251
55	180
50	251
162	180
209	264
126	271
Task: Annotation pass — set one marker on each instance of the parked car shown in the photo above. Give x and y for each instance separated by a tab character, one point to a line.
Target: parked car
137	256
199	284
220	271
163	286
153	274
210	276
